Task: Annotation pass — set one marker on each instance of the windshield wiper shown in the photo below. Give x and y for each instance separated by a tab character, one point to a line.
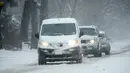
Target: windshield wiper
59	34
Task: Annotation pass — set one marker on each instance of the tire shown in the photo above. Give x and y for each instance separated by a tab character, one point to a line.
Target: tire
98	54
107	53
80	59
85	54
41	60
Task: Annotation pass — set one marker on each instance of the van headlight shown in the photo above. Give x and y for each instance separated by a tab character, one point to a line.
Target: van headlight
72	42
44	44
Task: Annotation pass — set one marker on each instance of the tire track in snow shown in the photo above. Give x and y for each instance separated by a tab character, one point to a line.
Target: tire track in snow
35	66
21	69
92	59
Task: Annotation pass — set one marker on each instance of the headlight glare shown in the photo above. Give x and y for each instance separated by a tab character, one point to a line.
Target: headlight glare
44	44
92	41
72	42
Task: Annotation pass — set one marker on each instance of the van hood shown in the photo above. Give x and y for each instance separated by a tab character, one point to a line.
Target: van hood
88	37
58	39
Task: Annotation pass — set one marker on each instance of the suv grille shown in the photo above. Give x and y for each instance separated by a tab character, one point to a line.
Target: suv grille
85	41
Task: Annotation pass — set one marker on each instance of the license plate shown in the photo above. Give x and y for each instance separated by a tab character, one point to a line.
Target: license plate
84	47
58	51
89	48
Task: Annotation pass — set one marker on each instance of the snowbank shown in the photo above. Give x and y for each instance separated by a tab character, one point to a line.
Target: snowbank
9	59
120	46
115	64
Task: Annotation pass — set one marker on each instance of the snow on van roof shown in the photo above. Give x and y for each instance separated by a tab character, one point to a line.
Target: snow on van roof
91	26
59	20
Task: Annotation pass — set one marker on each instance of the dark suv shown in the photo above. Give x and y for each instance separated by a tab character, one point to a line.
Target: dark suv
92	41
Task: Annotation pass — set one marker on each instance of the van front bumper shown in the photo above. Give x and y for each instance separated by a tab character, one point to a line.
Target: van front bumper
65	55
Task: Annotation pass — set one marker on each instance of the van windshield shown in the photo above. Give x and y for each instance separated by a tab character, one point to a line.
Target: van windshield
58	29
88	31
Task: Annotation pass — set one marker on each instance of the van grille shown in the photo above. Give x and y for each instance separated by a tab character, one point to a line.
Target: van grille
60	45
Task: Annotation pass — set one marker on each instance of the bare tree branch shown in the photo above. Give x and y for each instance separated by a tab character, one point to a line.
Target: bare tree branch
61	4
74	8
69	8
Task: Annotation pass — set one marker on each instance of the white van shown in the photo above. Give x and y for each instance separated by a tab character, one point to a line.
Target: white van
59	41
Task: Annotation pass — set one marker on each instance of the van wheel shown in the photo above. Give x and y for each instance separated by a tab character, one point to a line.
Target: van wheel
79	60
41	60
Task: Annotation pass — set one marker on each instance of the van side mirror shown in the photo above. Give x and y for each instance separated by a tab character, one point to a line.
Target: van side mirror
37	35
100	35
81	34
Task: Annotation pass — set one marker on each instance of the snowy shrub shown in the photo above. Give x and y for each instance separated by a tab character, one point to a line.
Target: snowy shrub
11	31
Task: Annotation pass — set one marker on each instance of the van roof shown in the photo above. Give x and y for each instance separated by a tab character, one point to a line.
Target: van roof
59	20
91	26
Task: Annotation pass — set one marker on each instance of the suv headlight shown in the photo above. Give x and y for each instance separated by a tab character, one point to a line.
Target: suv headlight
72	42
93	41
44	44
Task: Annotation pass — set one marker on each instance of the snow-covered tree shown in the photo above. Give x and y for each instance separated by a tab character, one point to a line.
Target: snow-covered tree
9	24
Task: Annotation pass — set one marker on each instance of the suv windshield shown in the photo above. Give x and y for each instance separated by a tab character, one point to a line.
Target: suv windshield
88	31
58	29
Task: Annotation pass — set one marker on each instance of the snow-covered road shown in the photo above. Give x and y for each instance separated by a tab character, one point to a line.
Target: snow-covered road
26	62
114	64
